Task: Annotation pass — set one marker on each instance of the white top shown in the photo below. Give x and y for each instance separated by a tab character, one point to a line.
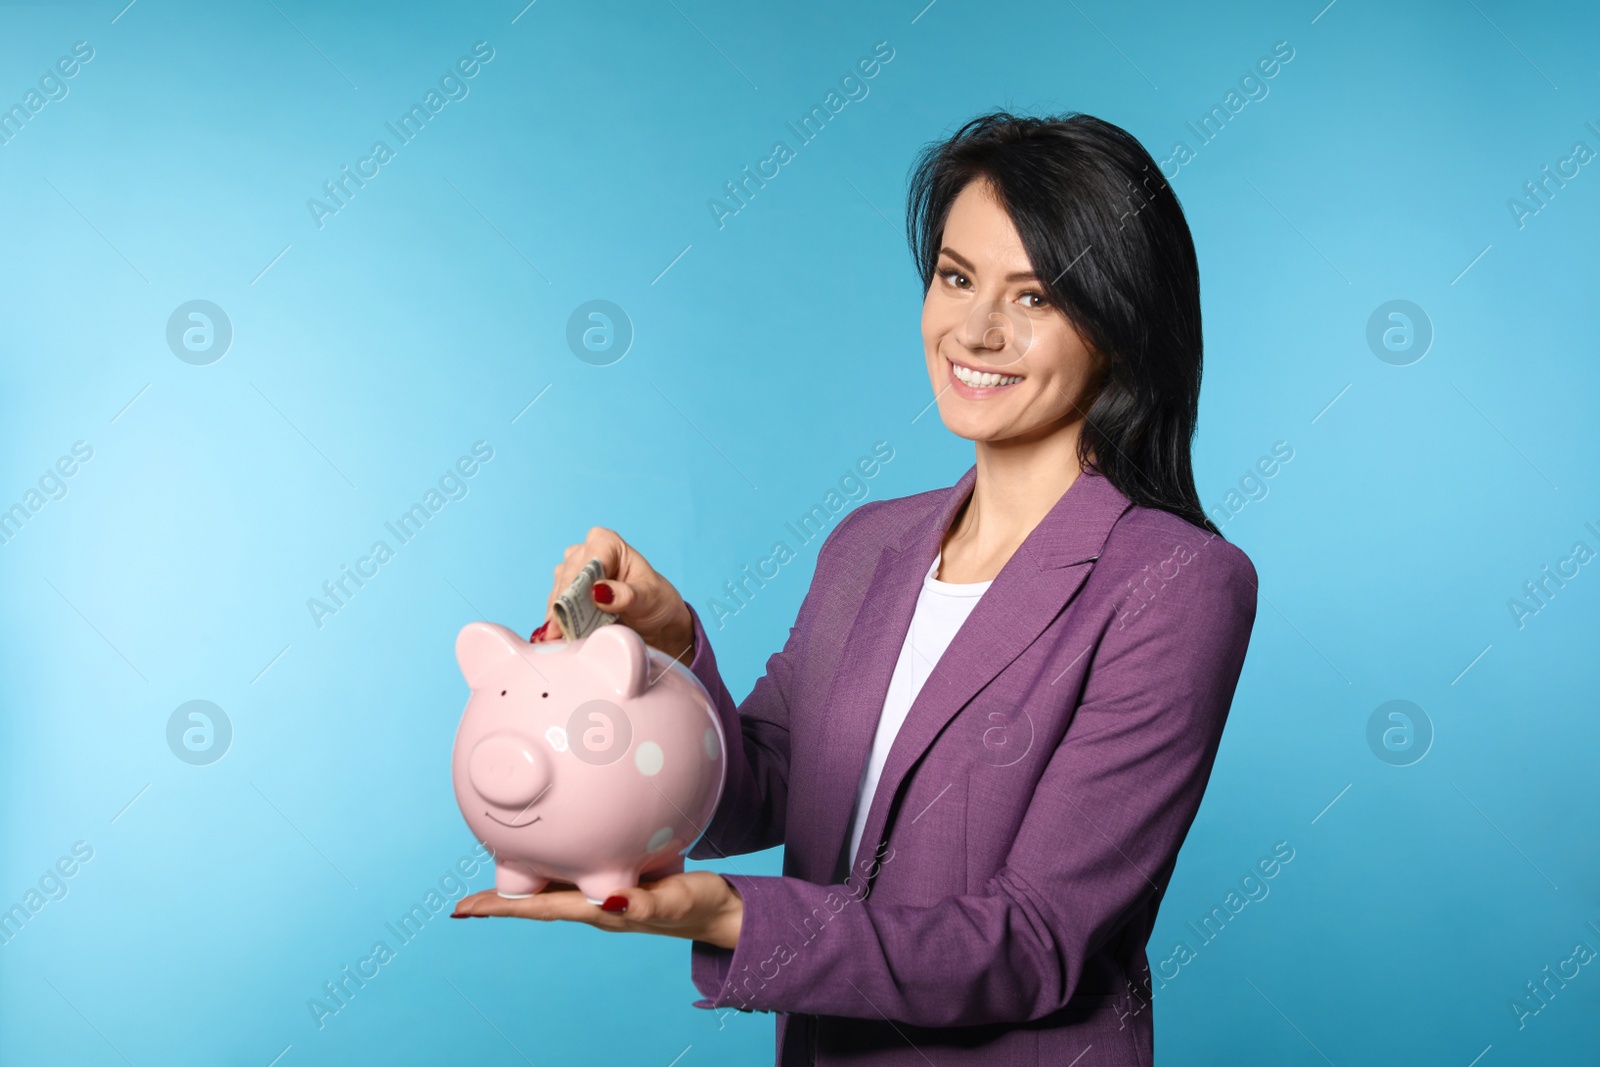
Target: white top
941	609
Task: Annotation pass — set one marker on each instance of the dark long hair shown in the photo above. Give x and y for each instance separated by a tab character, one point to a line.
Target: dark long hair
1106	236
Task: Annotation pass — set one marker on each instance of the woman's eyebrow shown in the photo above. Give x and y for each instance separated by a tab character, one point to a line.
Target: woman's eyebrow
1014	276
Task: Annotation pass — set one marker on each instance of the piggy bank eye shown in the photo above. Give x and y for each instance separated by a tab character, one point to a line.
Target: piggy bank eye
502	692
544	694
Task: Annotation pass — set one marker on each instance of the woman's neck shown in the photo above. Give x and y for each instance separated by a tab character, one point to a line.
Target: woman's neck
1017	485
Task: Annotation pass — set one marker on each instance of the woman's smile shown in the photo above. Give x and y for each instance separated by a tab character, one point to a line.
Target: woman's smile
989	326
976	384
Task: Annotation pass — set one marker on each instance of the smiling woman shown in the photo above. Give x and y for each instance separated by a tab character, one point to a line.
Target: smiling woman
1061	334
1089	286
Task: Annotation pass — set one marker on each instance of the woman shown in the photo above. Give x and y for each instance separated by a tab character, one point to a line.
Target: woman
991	726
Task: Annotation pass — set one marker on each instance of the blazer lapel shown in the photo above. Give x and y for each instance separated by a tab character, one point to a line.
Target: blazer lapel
862	680
1029	592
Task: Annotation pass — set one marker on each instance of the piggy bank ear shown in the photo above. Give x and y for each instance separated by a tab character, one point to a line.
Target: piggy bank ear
619	655
482	649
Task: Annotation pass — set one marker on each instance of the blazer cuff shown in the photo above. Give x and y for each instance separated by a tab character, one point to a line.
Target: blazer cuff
710	965
708	969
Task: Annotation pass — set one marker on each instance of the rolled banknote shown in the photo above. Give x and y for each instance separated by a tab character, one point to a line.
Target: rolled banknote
575	609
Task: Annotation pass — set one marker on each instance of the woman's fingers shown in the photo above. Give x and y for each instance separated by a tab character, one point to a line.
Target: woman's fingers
568	904
631	590
605	545
616	598
599	543
698	905
639	904
661	900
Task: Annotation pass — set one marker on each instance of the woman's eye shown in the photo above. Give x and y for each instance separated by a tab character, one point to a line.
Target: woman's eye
956	280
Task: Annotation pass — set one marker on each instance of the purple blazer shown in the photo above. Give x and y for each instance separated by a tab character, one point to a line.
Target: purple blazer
1032	807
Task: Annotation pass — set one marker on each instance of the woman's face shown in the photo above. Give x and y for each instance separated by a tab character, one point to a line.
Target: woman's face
1005	364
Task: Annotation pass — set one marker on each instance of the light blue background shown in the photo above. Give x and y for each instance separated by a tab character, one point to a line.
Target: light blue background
430	311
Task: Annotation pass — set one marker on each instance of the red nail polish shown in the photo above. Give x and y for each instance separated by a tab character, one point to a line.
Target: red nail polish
458	915
603	594
615	903
538	635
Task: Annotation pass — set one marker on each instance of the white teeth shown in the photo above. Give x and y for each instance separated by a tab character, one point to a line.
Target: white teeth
983	379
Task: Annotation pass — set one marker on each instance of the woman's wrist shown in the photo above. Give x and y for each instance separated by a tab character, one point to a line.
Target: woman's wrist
725	928
676	639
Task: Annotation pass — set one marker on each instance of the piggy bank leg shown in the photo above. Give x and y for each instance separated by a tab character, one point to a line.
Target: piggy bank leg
511	880
673	865
601	884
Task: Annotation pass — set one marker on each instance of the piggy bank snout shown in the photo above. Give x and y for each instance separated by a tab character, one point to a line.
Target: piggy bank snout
508	770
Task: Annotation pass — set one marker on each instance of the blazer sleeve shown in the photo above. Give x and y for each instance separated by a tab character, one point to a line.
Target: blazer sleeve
750	815
1111	810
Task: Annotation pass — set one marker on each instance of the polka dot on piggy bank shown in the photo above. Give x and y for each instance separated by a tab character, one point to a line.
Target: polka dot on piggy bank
648	758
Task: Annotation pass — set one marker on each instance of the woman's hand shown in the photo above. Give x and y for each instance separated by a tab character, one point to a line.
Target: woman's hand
697	905
641	599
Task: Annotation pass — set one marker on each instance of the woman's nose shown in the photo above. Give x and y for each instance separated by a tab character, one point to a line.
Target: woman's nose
995	334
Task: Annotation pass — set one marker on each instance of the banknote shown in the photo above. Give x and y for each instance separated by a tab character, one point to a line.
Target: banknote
576	611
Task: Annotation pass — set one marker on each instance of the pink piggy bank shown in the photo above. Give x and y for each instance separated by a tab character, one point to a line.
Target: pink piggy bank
591	762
